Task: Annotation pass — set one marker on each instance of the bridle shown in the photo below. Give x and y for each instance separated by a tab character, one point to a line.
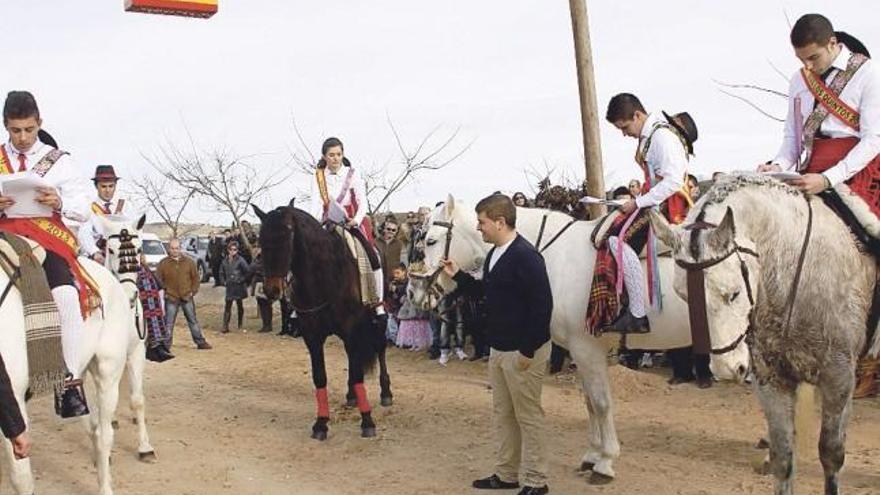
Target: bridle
696	287
697	292
431	279
128	264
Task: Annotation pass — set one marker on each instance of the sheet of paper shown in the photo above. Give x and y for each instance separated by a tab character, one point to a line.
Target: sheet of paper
22	187
783	176
590	200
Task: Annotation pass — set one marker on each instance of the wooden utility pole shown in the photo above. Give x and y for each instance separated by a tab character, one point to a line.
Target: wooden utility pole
589	108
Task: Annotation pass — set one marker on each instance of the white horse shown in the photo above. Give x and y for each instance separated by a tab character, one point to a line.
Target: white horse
122	261
103	352
570	257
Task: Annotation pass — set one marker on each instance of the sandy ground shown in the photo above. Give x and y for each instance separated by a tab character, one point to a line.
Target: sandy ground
236	420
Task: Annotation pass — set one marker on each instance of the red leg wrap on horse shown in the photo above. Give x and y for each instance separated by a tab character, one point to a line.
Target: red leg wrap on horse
323	403
361	393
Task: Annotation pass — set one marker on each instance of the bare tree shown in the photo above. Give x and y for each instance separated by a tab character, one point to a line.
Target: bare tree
433	152
165	198
228	182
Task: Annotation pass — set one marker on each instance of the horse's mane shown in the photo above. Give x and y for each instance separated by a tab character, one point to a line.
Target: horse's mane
736	181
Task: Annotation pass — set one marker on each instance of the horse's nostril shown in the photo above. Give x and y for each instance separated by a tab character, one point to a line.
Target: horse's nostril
741	370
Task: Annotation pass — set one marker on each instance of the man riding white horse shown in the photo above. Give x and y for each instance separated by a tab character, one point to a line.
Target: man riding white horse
91	239
664	145
832	136
73	290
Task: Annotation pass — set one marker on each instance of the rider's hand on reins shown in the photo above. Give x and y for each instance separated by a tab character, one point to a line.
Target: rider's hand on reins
449	267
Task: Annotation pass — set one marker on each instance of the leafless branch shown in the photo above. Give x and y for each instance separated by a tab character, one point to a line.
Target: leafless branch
751	86
753	105
163	197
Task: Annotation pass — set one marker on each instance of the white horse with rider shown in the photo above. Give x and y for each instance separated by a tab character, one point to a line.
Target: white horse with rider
110	341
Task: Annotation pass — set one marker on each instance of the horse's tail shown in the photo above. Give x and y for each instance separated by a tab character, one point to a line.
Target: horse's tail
368	339
806	422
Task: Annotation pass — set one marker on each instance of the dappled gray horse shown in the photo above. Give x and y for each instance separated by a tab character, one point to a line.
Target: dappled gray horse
750	236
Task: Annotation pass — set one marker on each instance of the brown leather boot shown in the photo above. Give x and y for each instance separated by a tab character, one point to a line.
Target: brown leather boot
866	374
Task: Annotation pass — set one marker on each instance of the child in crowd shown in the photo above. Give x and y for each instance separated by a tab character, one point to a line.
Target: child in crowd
414	329
396	295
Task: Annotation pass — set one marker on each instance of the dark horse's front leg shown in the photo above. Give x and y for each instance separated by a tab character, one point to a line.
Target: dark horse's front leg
356	378
387	398
315	344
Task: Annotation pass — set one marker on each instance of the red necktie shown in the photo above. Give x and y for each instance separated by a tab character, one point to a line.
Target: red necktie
21	162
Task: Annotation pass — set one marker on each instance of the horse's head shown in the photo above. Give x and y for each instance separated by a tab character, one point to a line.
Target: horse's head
709	249
450	233
276	242
122	236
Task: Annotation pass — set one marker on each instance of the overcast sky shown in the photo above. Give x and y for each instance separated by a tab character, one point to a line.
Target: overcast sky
112	85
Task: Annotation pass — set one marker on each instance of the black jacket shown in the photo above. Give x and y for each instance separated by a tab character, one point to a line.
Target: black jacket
518	298
11	421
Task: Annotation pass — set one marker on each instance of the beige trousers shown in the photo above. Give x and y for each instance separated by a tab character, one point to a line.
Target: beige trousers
519	417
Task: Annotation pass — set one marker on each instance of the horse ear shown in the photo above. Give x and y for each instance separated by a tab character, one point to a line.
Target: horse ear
449	206
141	222
291	204
260	213
665	232
724	234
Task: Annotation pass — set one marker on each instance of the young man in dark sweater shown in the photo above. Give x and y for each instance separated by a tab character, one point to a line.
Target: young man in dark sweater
519	305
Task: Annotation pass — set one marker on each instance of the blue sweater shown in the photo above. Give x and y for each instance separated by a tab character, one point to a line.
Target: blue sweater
518	298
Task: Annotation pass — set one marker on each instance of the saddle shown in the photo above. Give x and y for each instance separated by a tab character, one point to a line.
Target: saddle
369	292
600	235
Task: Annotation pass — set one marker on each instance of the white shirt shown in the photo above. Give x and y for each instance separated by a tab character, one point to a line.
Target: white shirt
862	93
498	252
335	182
89	232
667	157
71	185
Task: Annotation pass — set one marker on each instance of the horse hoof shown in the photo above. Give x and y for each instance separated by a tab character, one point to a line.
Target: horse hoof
586	466
319	435
600	479
114	424
387	401
148	457
368	432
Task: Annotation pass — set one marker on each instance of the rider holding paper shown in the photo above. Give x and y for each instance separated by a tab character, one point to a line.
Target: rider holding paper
72	288
832	135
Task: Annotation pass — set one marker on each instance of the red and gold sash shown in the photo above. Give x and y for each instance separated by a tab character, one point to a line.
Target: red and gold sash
98	209
366	226
52	233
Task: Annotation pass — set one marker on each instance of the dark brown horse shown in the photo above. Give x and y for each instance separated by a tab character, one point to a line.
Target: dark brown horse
325	292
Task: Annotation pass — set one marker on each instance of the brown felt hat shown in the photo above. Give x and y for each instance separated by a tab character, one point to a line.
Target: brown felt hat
685	125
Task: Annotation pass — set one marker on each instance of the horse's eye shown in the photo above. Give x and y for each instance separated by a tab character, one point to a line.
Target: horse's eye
431	242
732	297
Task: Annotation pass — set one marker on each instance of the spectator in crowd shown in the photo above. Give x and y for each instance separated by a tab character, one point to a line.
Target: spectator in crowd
234	272
519	199
414	330
216	248
158	334
693	186
396	296
635	187
263	303
179	276
717	175
390	248
451	327
622	193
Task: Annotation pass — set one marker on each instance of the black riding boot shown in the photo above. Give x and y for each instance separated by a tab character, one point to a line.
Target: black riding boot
70	401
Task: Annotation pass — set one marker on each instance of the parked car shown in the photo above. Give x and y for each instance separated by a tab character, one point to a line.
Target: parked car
196	247
153	249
